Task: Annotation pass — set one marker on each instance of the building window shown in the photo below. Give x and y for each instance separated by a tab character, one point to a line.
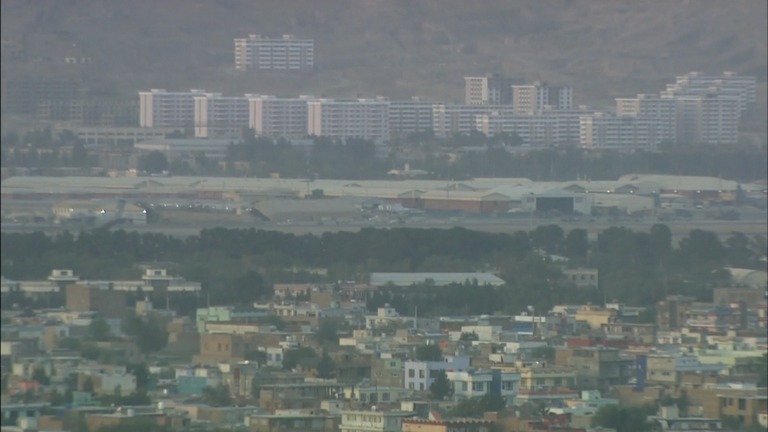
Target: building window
411	373
742	404
421	373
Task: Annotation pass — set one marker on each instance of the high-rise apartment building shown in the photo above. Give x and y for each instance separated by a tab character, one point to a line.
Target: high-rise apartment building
488	90
25	95
218	116
271	116
710	119
604	130
349	118
729	83
536	97
409	116
159	108
544	129
287	53
448	119
659	113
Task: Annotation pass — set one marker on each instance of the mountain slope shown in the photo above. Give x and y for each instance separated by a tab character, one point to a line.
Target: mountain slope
397	48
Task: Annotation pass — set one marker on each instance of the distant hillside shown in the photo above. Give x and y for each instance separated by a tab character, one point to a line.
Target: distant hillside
396	48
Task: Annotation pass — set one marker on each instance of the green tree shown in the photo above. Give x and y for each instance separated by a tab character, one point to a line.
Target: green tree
99	329
701	247
154	162
477	406
661	238
149	333
429	353
577	243
441	387
141	372
88	385
258	356
79	155
217	396
293	357
469	336
327	332
624	418
548	238
543	353
39	375
326	368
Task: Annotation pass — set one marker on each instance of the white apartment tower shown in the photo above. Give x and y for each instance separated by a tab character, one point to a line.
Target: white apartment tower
492	89
349	118
659	113
410	116
544	129
729	83
271	116
536	97
710	119
448	119
476	91
604	130
159	108
287	53
218	116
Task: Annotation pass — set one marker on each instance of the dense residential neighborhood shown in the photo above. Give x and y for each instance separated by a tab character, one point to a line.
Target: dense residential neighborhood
111	354
345	216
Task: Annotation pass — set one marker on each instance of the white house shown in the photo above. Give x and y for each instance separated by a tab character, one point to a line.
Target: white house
474	383
419	375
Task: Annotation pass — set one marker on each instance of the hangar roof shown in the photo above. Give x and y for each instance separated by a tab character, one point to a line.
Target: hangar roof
688	183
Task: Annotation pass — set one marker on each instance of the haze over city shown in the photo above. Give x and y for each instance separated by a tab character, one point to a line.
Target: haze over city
384	215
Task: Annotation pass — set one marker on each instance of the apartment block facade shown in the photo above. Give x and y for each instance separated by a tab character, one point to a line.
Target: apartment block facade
218	116
711	119
410	116
349	118
287	53
659	113
270	116
448	119
542	129
604	130
493	89
159	108
536	97
729	83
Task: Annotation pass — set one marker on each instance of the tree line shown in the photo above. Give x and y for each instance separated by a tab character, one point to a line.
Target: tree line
322	157
239	266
